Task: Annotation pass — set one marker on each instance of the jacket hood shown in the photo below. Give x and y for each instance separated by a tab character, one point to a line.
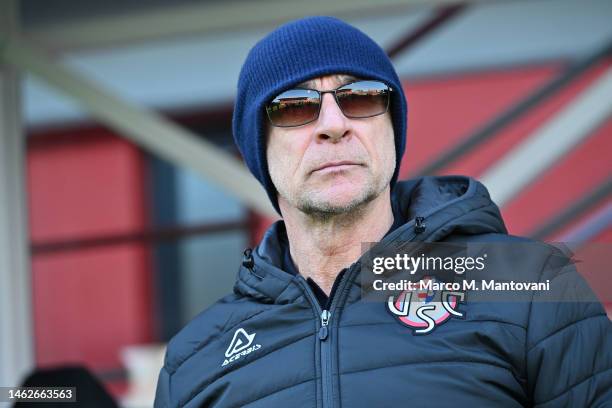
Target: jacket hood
432	208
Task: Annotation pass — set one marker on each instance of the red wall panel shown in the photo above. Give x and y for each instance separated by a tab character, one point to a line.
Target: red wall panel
485	155
444	111
569	180
88	303
86	185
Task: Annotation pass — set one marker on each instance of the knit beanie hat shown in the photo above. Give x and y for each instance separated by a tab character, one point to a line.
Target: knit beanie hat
296	52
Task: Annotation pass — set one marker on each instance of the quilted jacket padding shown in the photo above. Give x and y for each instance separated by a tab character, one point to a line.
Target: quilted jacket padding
501	354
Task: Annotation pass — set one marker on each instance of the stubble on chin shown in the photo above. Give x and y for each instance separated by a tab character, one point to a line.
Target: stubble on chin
323	209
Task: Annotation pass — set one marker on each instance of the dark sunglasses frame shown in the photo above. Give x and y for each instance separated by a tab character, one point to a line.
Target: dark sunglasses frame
333	91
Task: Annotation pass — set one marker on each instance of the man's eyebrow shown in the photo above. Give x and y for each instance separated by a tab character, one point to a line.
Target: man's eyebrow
342	80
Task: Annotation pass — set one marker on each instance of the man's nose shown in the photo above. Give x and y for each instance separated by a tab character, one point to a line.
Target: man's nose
332	125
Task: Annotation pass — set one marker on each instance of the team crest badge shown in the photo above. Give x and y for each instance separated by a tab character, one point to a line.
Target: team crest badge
425	308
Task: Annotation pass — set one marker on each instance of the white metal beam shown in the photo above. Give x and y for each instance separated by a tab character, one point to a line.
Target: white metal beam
143	127
594	225
16	327
202	18
523	164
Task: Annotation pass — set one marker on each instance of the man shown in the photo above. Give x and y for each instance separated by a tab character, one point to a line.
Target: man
320	119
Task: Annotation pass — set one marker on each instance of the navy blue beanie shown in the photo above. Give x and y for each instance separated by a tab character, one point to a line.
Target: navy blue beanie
296	52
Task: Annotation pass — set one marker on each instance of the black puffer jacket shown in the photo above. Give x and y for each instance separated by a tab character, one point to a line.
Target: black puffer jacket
269	344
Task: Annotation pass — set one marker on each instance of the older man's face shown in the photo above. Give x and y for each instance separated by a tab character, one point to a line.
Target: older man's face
334	164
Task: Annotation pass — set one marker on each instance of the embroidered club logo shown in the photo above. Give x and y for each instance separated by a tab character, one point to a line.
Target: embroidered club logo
425	308
240	346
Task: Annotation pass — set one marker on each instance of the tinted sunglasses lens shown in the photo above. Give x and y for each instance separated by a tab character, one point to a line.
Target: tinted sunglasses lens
363	99
294	107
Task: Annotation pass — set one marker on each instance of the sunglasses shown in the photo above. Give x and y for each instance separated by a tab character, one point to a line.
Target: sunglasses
360	99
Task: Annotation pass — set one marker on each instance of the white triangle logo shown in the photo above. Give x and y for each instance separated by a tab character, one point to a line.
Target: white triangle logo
240	341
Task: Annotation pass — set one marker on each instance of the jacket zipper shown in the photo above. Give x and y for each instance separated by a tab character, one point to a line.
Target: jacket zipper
324	332
326	377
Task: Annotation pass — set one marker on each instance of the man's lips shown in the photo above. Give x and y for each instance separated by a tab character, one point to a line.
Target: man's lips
338	165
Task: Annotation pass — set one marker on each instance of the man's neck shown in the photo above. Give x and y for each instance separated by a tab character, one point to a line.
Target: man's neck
322	248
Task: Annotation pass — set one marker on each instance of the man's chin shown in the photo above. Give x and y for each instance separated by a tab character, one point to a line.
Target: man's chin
335	201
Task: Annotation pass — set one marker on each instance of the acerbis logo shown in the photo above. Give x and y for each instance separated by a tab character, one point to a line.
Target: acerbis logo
424	309
240	346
